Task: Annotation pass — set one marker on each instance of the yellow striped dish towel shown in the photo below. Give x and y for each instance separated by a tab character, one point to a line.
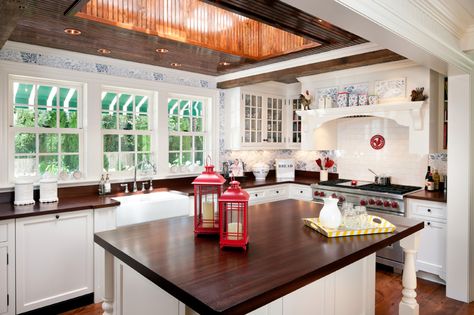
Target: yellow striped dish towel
374	225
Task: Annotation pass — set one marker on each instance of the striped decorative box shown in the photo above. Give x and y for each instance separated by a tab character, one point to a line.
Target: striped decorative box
374	225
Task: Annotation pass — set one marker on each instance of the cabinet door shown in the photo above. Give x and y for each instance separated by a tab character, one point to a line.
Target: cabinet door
3	279
432	252
54	258
253	118
294	121
274	120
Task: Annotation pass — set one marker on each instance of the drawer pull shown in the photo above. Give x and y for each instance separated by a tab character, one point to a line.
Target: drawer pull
428	223
57	216
256	195
301	191
277	192
429	210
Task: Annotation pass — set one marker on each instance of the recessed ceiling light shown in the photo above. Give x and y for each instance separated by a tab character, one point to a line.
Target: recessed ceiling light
72	31
175	64
103	51
224	63
161	50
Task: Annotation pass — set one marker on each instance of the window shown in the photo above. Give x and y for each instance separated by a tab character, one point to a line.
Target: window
126	129
187	134
46	127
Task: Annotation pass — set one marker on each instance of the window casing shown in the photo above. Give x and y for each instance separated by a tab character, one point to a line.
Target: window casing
187	134
45	119
126	129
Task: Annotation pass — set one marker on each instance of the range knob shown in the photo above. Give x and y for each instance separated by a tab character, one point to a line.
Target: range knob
342	198
379	202
322	194
371	201
316	193
394	204
363	203
334	195
386	203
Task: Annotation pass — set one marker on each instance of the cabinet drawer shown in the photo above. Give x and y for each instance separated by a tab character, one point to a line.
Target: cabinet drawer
301	192
278	192
3	232
256	194
430	210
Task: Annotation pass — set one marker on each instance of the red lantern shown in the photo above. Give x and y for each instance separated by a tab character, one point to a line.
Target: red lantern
207	190
233	217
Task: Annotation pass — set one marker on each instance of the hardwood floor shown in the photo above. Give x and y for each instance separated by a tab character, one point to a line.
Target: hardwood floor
431	297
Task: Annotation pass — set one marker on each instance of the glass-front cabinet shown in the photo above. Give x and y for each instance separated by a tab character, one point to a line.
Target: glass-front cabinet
294	121
263	120
253	118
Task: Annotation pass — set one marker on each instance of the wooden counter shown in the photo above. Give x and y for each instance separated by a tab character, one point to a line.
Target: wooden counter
437	196
80	198
283	256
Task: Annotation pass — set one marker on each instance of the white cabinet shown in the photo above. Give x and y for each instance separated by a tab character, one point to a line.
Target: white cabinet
300	192
279	192
54	256
7	267
268	193
104	220
431	256
258	118
294	123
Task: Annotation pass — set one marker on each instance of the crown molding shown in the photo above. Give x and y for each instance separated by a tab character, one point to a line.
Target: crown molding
448	13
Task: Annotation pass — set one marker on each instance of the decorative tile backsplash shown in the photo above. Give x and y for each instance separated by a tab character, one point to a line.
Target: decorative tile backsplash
439	161
305	160
84	65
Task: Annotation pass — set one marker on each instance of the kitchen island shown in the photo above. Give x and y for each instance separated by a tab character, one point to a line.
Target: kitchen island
160	267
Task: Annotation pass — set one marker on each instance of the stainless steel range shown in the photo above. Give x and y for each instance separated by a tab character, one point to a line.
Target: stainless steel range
382	199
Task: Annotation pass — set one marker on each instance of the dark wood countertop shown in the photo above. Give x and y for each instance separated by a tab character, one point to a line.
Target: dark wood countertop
72	202
438	196
9	211
283	255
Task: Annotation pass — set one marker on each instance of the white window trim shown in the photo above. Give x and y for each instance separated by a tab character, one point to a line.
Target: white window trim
12	130
150	132
209	129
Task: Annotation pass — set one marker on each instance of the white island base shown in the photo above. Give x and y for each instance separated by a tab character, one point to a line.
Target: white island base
347	291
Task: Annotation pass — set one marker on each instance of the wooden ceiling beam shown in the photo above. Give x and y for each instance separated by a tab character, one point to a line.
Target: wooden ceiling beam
10	13
75	7
289	75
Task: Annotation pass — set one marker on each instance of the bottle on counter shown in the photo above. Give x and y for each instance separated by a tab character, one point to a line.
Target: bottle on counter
436	179
430	183
107	185
102	185
428	173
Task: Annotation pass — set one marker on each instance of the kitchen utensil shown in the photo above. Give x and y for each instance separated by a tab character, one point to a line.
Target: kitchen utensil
318	161
381	180
329	163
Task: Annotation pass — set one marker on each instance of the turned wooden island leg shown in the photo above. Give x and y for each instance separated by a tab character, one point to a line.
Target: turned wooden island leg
108	304
408	304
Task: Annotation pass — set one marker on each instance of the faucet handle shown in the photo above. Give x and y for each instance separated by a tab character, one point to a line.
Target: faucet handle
150	186
126	187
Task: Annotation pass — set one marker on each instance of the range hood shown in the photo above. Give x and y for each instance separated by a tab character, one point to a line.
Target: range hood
319	126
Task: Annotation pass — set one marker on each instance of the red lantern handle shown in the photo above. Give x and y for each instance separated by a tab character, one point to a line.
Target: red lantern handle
208	160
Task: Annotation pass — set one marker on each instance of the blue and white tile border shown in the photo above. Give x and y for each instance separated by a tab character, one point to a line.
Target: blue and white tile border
77	63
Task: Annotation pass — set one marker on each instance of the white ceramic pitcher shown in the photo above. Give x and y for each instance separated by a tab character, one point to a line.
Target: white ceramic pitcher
330	215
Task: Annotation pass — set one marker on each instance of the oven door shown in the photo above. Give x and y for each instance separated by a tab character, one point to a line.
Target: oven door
392	255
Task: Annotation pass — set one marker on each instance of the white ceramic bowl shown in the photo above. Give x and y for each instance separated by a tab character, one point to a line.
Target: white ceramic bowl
260	171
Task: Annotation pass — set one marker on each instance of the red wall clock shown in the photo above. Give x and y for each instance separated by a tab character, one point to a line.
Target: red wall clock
377	142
